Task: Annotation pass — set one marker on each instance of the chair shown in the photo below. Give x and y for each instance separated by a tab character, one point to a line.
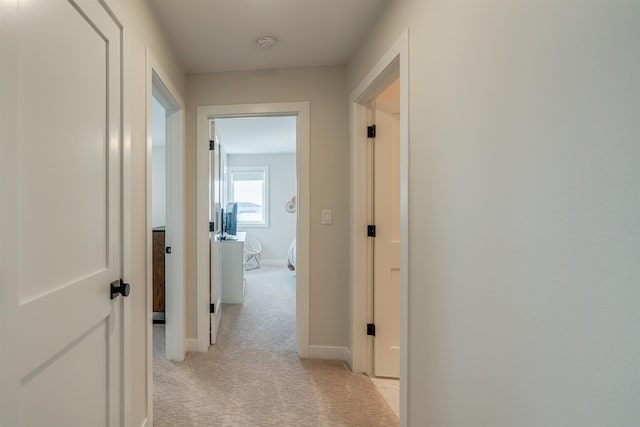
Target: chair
252	250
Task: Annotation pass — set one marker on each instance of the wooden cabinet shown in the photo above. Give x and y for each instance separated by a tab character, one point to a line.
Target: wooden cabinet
158	270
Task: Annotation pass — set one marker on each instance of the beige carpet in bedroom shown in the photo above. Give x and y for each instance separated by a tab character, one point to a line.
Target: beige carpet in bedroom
253	377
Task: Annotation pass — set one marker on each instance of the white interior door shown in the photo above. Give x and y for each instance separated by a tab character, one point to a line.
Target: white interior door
215	273
386	270
61	213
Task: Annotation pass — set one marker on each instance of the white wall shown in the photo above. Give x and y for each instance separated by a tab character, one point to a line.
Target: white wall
276	238
159	186
158	166
325	89
524	210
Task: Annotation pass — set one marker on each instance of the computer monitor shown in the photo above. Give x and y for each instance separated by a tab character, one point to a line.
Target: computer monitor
231	219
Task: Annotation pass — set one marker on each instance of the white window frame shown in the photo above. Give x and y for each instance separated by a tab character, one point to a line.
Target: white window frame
265	192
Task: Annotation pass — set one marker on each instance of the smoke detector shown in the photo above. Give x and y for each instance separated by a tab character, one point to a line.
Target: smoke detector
266	42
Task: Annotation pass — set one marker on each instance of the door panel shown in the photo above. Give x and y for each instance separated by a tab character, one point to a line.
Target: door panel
64	365
53	396
68	130
386	269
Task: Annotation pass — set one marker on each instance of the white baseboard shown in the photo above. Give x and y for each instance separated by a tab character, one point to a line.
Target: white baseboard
329	353
282	262
190	344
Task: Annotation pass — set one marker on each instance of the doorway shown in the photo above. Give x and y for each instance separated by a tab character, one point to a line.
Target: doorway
205	115
392	66
165	147
256	177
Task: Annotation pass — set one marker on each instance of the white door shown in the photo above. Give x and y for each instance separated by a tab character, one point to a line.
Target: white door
386	246
215	273
60	215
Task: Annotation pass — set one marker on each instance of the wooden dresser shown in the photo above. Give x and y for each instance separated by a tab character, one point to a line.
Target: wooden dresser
158	270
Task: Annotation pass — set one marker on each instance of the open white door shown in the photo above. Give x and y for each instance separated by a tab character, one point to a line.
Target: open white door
60	215
215	217
386	263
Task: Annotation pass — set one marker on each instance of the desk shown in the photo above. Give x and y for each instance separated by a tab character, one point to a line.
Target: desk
232	269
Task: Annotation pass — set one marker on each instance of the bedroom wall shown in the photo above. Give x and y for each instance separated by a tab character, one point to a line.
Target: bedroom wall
524	210
276	238
158	166
158	186
141	30
325	89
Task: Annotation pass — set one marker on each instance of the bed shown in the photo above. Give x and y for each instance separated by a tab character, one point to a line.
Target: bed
291	257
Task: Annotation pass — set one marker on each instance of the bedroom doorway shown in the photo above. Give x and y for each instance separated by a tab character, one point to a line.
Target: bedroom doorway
259	176
165	217
254	179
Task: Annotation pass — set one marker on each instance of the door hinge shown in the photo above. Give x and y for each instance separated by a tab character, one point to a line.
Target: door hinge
212	145
371	329
212	308
168	249
371	230
371	131
212	226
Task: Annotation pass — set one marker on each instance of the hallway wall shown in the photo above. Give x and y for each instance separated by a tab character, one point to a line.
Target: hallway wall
524	210
326	90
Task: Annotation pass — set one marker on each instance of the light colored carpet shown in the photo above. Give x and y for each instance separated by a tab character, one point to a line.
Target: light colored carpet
253	377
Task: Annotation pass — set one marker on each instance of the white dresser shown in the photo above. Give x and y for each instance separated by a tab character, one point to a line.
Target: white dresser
232	269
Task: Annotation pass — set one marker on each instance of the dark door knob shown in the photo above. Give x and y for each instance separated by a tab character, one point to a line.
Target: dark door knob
120	288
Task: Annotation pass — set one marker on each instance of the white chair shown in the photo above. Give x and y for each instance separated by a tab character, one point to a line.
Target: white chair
252	250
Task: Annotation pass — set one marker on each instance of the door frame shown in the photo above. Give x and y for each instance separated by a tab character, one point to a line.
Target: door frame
159	84
393	64
204	114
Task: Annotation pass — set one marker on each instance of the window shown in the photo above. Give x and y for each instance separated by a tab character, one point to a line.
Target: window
249	186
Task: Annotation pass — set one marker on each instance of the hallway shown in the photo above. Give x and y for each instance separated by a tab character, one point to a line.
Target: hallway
253	377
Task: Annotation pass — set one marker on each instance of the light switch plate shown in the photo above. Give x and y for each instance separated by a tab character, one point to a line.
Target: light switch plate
326	216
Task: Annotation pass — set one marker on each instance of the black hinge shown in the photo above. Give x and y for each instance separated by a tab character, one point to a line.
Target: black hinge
371	230
371	329
371	131
212	145
212	308
212	226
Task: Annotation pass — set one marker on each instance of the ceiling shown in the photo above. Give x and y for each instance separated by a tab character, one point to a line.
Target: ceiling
257	135
221	35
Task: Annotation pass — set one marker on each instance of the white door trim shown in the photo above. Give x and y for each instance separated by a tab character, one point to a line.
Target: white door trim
204	114
159	84
393	64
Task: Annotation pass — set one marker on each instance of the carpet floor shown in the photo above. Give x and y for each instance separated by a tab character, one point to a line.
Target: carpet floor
253	376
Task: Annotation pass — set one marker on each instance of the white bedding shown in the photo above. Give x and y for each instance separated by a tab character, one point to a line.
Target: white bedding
291	258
